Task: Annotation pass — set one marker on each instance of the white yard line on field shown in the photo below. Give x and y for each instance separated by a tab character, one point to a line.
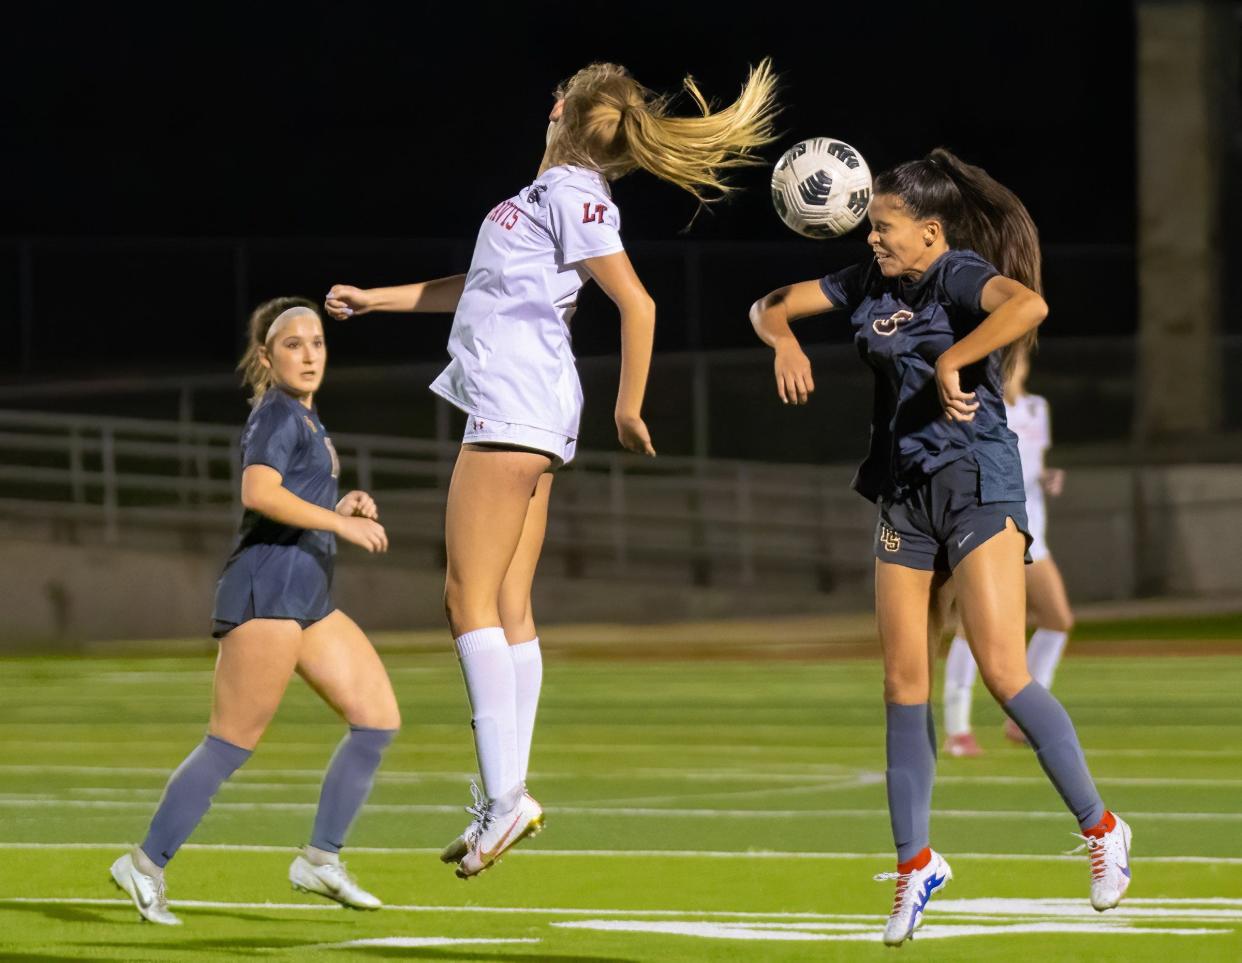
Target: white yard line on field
662	854
24	801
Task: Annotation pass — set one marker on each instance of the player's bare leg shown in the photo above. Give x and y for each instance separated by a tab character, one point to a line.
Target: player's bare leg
489	501
991	590
906	614
518	621
255	662
338	661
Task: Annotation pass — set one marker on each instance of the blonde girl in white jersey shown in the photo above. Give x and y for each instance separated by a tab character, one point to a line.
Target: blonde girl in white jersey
513	373
1046	599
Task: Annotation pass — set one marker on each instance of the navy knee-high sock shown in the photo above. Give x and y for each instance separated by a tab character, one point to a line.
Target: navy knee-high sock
347	784
187	797
1051	734
911	745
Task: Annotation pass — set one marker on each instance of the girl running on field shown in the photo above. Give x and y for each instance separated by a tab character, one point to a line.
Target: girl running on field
1046	599
274	616
513	374
951	293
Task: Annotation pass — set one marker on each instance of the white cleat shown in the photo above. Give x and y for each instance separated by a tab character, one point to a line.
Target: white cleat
497	833
147	892
913	892
455	851
1110	864
330	880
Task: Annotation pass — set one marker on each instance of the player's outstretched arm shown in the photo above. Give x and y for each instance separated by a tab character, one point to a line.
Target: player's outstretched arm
770	316
262	492
615	275
1013	310
433	297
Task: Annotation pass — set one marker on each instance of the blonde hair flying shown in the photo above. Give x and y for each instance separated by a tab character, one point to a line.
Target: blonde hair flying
613	124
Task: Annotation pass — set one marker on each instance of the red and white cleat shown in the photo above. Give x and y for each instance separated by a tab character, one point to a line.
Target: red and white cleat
1108	846
963	745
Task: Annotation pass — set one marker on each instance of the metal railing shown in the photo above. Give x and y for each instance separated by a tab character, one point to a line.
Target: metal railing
714	522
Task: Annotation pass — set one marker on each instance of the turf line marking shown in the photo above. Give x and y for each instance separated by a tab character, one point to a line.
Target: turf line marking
659	854
412	942
1112	781
1058	907
842	779
931	931
22	801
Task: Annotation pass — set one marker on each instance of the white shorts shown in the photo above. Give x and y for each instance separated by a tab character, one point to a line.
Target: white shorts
1037	525
558	447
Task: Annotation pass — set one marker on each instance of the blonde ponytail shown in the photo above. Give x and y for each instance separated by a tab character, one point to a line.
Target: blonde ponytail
612	124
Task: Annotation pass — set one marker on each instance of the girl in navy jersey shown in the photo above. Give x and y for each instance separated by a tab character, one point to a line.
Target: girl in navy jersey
274	616
951	293
513	374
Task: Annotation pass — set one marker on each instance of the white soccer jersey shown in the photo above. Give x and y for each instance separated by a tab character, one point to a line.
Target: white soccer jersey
510	344
1028	419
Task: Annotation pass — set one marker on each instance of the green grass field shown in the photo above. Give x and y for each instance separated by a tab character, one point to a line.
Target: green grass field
697	810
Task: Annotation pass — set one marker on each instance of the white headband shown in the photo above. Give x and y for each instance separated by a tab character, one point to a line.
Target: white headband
287	315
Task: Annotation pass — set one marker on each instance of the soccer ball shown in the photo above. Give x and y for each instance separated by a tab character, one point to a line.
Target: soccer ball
821	187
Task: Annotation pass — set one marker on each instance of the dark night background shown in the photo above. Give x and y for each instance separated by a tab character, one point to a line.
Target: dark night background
166	167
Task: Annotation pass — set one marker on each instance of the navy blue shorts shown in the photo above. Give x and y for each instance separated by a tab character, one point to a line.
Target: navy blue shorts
943	520
273	582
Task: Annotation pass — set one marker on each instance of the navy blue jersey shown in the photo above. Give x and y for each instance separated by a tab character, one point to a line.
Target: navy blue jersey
278	571
901	327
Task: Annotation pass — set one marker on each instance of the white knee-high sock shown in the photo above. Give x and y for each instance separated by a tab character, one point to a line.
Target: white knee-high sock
488	672
1044	655
528	675
959	683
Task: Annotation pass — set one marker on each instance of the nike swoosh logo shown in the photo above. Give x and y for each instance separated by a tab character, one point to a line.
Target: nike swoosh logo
964	539
488	855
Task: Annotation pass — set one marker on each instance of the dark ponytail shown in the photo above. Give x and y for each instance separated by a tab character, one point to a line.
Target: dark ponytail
978	213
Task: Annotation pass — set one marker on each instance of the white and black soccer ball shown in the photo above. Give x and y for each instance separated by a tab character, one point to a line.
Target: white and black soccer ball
821	187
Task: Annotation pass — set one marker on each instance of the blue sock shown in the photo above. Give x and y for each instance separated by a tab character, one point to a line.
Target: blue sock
347	784
1051	734
911	744
187	797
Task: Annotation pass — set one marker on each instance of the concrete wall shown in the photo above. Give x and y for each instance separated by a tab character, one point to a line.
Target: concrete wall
1117	533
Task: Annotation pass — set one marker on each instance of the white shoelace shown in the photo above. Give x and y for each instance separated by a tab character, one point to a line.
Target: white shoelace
903	887
481	811
1095	847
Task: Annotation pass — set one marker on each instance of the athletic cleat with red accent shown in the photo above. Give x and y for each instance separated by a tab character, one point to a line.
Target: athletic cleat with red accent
963	745
914	890
496	833
1109	852
1013	733
454	851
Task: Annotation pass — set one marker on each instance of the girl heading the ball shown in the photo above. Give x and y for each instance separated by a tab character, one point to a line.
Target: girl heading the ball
274	616
513	373
950	296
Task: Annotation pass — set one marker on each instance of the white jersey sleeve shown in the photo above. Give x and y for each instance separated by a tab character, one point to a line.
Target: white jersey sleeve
583	222
1029	420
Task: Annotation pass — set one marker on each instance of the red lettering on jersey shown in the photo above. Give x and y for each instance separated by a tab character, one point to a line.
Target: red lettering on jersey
506	214
589	216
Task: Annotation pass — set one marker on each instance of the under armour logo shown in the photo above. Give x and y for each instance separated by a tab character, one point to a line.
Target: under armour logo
887	326
889	539
478	424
